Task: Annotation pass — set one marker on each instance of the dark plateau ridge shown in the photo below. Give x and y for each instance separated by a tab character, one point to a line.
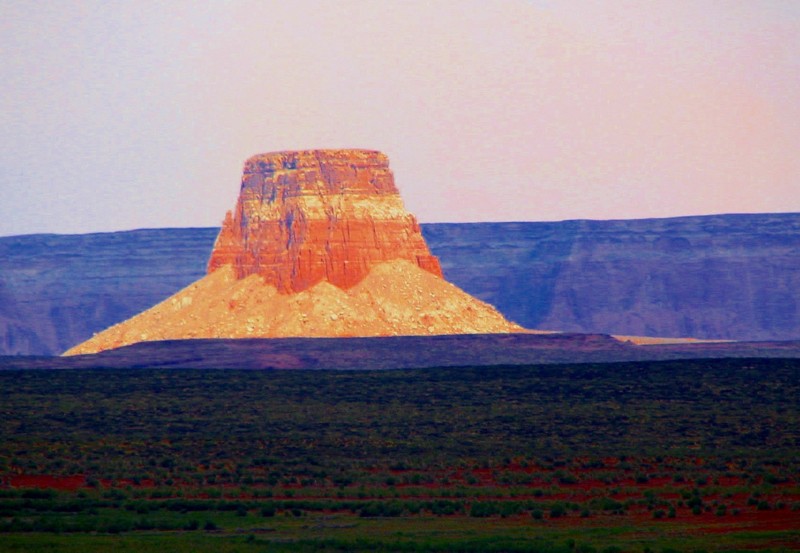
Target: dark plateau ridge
397	352
734	277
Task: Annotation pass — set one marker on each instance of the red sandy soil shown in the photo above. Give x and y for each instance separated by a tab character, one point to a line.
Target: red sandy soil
748	517
60	483
67	483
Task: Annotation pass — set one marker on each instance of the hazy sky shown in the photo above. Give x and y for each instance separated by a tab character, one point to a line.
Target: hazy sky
120	115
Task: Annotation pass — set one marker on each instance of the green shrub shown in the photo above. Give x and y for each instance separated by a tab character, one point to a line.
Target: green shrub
268	510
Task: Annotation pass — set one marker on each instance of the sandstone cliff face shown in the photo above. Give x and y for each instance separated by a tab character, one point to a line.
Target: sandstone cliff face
319	245
318	215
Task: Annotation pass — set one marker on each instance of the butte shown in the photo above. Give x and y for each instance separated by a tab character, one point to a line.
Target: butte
319	245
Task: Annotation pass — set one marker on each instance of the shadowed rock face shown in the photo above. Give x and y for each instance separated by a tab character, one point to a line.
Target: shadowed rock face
717	277
320	215
723	276
57	290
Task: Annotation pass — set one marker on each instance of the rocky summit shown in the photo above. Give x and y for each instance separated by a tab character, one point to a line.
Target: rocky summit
309	216
319	245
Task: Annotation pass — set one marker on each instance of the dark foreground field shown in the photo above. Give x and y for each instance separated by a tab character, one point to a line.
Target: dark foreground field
641	456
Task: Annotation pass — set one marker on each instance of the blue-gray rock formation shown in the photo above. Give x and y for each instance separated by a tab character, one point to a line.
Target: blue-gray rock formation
58	290
725	276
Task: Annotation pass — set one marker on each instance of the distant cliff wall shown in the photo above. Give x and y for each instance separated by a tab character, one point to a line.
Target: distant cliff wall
58	290
725	276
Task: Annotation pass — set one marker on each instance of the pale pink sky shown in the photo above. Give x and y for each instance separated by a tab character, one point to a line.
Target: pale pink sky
119	115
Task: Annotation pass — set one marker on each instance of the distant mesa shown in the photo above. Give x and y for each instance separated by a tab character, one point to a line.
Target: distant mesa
319	245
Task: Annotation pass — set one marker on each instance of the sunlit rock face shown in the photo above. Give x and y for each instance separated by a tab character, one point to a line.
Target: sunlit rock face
318	215
319	245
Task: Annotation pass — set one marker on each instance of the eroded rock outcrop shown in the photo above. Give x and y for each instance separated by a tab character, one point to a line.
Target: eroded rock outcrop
319	245
318	215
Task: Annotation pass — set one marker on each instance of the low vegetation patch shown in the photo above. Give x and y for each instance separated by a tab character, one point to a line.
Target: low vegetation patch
668	455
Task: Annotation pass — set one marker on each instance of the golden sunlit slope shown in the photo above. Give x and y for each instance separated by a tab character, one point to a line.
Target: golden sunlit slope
396	298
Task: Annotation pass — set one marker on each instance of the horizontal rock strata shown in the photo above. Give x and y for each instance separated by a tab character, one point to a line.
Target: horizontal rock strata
319	245
319	215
